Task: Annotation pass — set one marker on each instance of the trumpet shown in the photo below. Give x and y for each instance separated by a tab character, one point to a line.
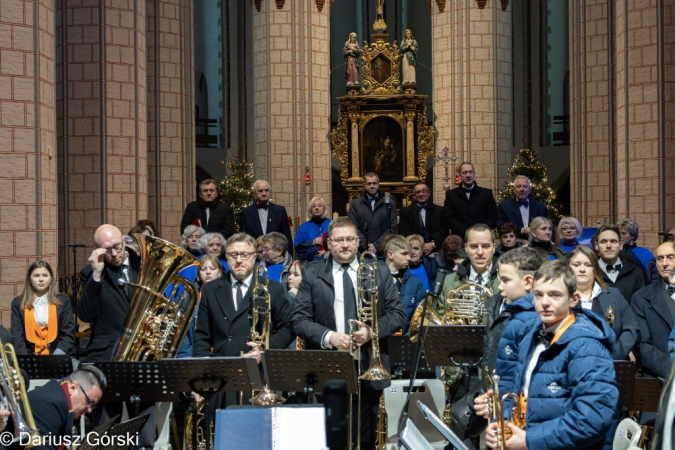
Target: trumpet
496	407
261	318
13	388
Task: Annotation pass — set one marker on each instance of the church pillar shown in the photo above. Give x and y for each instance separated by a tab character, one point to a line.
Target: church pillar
472	88
28	190
292	100
592	165
171	143
102	117
645	117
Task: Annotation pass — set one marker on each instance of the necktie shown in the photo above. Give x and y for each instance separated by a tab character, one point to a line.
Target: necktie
421	207
349	296
479	279
523	203
545	338
467	190
259	206
423	225
615	267
240	294
670	289
125	270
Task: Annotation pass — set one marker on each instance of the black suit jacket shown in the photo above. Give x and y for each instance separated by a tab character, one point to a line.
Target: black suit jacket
656	324
49	404
629	281
277	220
314	315
410	223
65	338
221	217
105	306
227	331
665	404
459	213
509	211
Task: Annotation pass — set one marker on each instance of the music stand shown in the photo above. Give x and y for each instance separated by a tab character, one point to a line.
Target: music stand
124	430
402	359
308	370
459	345
46	367
133	380
625	379
646	394
207	377
100	430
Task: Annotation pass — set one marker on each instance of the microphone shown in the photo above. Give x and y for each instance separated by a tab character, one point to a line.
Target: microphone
387	197
76	245
438	286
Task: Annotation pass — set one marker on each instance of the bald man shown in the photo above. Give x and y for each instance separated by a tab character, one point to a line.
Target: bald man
103	302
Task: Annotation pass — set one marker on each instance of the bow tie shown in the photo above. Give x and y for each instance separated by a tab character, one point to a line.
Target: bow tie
421	207
670	289
545	338
612	268
373	199
523	203
259	206
467	190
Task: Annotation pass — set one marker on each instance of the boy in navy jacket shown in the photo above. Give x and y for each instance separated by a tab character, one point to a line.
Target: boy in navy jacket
565	373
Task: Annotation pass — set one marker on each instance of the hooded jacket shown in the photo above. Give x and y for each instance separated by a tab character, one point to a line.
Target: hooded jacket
573	397
412	294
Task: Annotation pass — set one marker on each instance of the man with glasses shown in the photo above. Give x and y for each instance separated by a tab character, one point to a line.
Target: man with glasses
327	300
521	209
223	323
654	307
57	405
423	218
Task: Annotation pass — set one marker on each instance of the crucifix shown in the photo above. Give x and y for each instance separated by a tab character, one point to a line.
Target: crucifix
379	24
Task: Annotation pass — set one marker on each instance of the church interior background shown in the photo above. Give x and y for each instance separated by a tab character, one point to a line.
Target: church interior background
114	111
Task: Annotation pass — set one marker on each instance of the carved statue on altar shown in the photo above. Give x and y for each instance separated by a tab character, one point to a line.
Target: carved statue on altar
409	61
352	53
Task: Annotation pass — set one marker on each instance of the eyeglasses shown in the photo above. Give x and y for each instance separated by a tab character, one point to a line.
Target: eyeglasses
569	228
348	239
421	191
91	405
117	247
243	255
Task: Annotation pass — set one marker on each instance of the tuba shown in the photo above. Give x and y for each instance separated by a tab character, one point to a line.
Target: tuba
261	309
156	325
14	392
496	407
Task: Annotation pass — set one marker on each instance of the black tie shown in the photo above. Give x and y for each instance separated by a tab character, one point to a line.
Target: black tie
545	338
479	279
615	267
670	289
423	226
240	294
349	296
523	203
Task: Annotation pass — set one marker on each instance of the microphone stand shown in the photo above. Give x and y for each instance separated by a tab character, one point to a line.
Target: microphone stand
438	286
74	297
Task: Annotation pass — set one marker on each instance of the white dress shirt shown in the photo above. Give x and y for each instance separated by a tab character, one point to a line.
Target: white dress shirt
41	310
244	288
339	305
612	274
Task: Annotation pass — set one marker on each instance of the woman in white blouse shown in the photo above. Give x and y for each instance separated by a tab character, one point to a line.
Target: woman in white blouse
42	319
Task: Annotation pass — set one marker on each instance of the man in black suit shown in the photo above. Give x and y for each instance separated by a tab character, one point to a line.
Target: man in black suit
57	405
211	214
224	318
468	204
622	273
264	216
423	218
521	209
654	308
373	213
327	300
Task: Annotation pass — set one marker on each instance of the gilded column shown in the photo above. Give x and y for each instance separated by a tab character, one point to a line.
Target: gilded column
410	147
472	87
354	149
28	181
292	100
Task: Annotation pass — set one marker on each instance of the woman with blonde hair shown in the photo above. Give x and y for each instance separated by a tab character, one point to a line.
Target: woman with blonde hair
310	235
42	318
541	231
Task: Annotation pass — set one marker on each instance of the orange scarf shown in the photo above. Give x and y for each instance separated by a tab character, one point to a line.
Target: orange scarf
41	337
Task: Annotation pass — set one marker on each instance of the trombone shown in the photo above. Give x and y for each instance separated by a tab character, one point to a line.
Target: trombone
496	407
14	391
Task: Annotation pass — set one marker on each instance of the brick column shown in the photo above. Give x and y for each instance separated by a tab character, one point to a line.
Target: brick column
103	142
28	208
472	87
645	82
171	143
592	165
292	100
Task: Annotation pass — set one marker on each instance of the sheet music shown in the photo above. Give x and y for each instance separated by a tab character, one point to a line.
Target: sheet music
441	426
412	439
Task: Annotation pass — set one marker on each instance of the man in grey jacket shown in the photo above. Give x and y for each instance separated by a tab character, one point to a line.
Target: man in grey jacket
374	214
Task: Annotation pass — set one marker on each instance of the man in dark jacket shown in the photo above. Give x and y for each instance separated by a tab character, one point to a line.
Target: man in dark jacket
326	300
521	209
264	216
623	274
209	212
374	215
424	218
468	204
654	308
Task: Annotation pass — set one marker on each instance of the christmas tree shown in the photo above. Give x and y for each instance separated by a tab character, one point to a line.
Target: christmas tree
527	163
235	189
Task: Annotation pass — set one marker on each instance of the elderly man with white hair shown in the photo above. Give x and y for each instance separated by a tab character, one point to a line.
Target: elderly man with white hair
521	209
263	216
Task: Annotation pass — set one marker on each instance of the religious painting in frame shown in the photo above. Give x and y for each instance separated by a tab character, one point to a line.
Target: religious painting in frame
383	149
